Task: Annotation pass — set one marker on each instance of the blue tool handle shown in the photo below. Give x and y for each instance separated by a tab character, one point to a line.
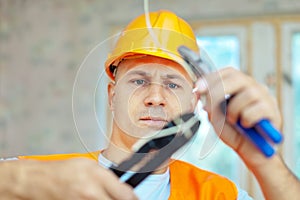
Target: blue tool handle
258	140
264	127
260	134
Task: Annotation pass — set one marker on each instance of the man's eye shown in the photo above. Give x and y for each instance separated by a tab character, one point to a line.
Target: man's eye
139	82
173	85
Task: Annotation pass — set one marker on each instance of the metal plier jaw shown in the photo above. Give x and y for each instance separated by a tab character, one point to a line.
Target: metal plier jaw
200	65
166	142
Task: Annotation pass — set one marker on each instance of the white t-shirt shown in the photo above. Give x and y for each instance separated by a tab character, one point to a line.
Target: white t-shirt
156	186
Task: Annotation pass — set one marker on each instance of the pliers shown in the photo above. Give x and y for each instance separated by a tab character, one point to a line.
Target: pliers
263	134
166	142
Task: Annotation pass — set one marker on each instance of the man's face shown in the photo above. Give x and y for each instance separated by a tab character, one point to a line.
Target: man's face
149	92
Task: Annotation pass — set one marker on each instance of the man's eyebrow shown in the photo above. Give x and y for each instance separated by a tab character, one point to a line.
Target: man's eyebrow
146	74
173	76
138	72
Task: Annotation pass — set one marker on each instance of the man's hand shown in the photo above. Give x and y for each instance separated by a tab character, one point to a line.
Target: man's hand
250	102
74	179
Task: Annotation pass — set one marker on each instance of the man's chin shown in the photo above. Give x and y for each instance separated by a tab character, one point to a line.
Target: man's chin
146	132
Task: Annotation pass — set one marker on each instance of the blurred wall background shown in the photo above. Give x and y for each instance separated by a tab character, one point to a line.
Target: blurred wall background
44	43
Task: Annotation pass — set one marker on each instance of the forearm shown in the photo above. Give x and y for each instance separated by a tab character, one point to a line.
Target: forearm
58	180
19	180
276	180
10	182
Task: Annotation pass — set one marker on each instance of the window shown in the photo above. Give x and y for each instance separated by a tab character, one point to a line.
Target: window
224	50
296	83
291	95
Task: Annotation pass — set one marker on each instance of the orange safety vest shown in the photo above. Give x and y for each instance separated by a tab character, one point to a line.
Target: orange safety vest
187	182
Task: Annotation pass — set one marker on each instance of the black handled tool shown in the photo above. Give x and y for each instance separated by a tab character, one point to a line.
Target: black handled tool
166	142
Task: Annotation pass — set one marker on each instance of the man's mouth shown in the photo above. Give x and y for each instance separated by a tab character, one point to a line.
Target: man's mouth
155	122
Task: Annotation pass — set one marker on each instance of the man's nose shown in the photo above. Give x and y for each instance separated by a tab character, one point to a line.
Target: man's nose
155	95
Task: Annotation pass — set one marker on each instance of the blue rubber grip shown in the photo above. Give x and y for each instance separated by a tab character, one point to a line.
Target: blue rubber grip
260	134
258	140
264	127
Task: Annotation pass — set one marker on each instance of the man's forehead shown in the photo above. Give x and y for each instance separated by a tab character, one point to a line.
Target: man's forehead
146	63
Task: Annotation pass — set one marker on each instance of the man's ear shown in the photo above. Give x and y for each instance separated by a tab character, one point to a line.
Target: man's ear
111	94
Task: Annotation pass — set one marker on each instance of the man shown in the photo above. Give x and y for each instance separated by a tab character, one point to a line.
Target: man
148	88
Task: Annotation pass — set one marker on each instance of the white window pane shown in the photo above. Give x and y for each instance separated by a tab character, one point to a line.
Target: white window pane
296	83
223	50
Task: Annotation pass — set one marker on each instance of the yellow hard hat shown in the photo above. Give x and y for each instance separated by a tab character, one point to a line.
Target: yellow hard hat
167	33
